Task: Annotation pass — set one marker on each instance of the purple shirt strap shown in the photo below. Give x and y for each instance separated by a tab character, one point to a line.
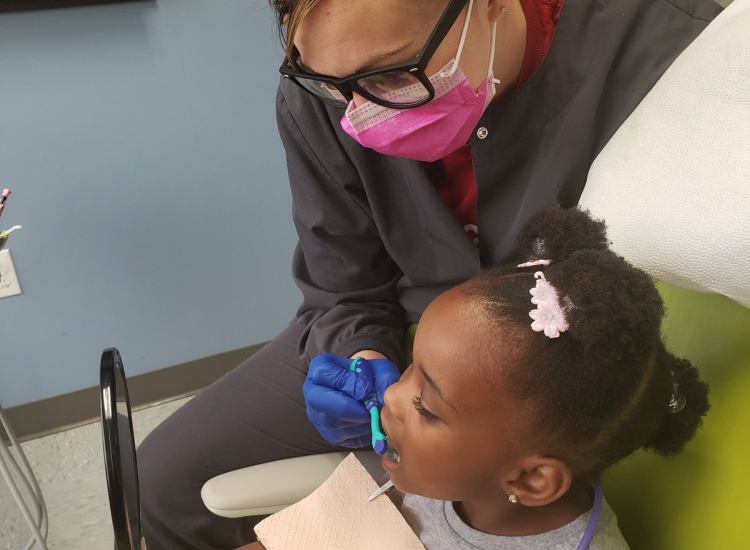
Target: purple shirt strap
588	534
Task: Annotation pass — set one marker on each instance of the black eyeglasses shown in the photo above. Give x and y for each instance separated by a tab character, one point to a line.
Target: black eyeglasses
399	86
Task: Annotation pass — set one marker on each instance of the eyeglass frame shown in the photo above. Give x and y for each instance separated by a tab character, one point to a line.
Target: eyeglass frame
415	66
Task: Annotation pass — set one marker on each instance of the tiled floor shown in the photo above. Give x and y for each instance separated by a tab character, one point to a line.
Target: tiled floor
70	469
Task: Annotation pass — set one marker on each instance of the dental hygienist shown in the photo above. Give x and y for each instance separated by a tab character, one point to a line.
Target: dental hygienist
420	135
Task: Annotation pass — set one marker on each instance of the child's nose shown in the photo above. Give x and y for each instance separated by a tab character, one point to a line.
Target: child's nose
394	399
388	396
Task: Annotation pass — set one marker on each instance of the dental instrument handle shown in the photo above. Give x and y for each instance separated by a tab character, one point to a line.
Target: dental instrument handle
6	194
379	440
11	230
384	489
4	235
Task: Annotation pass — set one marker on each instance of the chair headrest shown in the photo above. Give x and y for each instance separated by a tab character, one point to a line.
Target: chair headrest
673	184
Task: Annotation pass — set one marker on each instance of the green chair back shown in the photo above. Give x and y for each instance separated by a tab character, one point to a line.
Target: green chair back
698	499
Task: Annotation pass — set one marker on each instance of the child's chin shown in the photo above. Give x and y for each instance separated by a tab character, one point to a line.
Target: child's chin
401	484
407	486
404	483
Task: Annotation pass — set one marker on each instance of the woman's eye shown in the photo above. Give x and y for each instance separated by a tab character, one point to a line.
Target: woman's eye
417	402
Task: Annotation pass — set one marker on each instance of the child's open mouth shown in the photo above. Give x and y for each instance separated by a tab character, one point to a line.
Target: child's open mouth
391	460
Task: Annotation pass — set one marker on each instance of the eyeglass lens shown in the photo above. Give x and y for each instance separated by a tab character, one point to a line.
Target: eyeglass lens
322	89
399	87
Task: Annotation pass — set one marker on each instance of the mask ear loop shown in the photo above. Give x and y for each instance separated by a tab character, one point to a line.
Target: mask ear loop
461	44
461	49
492	56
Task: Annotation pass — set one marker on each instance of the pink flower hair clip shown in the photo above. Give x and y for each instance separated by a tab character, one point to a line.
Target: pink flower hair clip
548	316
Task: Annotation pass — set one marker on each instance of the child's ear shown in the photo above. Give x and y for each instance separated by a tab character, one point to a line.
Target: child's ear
540	481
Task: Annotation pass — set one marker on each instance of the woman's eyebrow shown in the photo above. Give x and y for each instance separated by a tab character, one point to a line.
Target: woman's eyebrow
380	57
435	387
301	65
363	68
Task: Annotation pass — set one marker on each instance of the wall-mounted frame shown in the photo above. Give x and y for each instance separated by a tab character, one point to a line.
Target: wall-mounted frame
28	5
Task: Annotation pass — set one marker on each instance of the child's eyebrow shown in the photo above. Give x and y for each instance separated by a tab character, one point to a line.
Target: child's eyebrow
435	387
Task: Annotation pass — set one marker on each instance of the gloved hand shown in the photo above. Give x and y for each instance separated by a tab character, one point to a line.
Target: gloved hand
334	395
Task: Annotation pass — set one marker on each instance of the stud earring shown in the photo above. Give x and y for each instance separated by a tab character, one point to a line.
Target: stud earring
504	10
513	498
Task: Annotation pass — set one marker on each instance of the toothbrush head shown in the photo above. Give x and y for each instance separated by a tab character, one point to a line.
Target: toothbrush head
381	446
393	454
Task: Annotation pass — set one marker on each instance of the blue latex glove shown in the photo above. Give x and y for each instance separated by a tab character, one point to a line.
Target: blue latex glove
334	396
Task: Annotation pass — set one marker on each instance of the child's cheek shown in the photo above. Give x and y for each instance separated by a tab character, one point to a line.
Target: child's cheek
423	440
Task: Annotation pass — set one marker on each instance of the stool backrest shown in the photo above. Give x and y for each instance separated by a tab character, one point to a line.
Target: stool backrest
119	454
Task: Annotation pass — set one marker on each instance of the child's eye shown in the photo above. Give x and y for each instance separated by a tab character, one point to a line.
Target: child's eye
417	402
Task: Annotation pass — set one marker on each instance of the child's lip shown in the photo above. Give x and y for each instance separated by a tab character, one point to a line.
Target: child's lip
389	464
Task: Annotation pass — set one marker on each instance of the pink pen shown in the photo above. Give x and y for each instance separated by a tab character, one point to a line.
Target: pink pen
6	194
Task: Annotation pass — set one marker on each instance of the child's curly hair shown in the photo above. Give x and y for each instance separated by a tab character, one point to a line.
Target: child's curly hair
601	390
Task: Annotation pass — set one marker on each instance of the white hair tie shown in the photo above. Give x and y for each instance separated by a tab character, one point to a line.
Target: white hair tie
536	262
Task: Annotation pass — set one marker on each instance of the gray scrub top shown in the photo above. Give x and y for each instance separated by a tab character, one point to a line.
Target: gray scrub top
376	241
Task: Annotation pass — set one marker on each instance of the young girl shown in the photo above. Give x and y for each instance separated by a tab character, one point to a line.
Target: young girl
526	384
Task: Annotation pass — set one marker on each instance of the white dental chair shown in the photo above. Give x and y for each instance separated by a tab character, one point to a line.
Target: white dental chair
268	488
673	186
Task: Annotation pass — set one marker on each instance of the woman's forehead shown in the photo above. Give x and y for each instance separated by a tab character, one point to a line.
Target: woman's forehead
339	37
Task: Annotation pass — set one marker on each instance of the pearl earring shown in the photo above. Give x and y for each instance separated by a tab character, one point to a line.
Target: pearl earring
513	498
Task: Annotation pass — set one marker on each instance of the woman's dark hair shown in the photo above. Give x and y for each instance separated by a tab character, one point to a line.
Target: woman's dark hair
289	14
600	390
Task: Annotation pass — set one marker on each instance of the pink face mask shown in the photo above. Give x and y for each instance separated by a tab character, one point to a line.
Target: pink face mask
434	130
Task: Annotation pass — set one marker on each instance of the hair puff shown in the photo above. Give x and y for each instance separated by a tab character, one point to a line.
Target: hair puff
554	234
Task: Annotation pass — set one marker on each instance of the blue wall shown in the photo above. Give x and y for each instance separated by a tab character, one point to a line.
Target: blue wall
140	142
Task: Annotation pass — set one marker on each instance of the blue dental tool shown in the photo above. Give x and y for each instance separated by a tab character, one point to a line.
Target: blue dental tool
379	440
